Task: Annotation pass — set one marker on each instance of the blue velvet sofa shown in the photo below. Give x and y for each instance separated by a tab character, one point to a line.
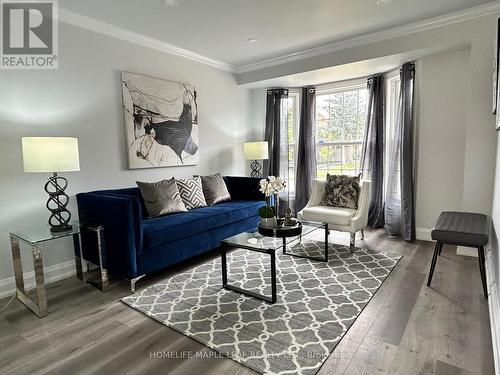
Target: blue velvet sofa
135	245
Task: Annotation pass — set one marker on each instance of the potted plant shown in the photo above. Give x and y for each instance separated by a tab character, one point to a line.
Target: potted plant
267	217
270	187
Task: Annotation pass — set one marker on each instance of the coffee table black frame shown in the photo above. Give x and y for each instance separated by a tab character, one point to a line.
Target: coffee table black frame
225	247
227	244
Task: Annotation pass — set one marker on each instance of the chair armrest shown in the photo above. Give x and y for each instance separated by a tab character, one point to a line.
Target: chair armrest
244	188
120	217
360	218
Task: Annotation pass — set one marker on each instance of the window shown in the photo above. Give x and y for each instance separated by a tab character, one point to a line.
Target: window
340	128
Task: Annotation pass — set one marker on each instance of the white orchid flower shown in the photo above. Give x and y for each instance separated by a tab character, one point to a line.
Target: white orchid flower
271	185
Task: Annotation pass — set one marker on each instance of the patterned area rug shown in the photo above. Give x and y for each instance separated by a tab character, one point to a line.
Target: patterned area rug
317	303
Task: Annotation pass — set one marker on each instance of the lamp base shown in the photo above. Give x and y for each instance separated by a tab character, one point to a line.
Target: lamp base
256	169
57	203
60	229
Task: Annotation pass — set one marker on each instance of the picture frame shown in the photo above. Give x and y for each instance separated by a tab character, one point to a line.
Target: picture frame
161	122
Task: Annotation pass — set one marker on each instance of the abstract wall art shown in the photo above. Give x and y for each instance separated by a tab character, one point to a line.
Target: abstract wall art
161	122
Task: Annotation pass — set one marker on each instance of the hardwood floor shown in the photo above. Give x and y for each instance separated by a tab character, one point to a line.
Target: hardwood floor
407	328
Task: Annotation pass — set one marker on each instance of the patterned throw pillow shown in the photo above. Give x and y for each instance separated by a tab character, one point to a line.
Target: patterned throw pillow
341	191
191	192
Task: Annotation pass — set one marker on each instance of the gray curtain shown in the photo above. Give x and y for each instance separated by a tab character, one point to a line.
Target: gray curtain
273	136
372	157
306	151
399	206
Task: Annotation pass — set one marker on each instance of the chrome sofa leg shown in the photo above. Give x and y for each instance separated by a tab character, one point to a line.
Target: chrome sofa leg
353	239
363	234
133	281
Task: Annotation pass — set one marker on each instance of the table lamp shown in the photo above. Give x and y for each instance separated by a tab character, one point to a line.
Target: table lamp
53	155
256	151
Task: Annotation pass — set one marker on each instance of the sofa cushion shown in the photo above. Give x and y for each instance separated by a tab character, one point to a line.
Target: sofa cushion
165	229
330	215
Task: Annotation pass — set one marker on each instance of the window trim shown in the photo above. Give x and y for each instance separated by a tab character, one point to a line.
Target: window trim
336	87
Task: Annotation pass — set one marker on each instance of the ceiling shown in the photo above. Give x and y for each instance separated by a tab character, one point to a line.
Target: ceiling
219	29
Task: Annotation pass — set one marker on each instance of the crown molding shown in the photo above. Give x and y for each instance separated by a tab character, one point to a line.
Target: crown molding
428	24
91	24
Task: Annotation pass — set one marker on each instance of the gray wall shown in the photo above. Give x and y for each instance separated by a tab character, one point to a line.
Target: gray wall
83	99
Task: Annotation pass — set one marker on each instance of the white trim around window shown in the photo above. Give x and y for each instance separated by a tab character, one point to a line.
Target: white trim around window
353	84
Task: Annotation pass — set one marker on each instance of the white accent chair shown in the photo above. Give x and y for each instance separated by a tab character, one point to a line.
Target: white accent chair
341	219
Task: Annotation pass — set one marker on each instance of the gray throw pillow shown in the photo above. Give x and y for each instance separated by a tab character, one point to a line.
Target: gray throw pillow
341	191
161	198
214	189
191	192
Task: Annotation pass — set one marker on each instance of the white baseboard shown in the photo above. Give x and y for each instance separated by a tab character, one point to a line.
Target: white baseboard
494	308
423	234
52	273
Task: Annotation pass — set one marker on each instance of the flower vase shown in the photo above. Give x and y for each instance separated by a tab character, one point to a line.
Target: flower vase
268	222
277	205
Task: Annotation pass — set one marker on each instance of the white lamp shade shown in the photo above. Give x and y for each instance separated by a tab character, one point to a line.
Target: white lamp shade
50	154
256	150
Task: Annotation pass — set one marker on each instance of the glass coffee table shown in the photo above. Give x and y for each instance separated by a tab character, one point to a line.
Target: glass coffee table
256	242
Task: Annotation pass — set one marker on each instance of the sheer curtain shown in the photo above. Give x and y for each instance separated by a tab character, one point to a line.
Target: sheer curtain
399	206
306	151
372	159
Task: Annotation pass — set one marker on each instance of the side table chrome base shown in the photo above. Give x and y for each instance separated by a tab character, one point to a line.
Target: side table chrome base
82	272
38	306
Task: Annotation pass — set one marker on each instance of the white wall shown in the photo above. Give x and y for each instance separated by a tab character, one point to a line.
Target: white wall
441	99
493	262
83	99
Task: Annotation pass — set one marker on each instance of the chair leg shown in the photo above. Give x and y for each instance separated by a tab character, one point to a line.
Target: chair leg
437	249
353	239
440	248
363	234
482	270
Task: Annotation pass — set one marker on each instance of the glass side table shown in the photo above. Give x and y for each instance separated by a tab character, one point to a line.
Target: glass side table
36	239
